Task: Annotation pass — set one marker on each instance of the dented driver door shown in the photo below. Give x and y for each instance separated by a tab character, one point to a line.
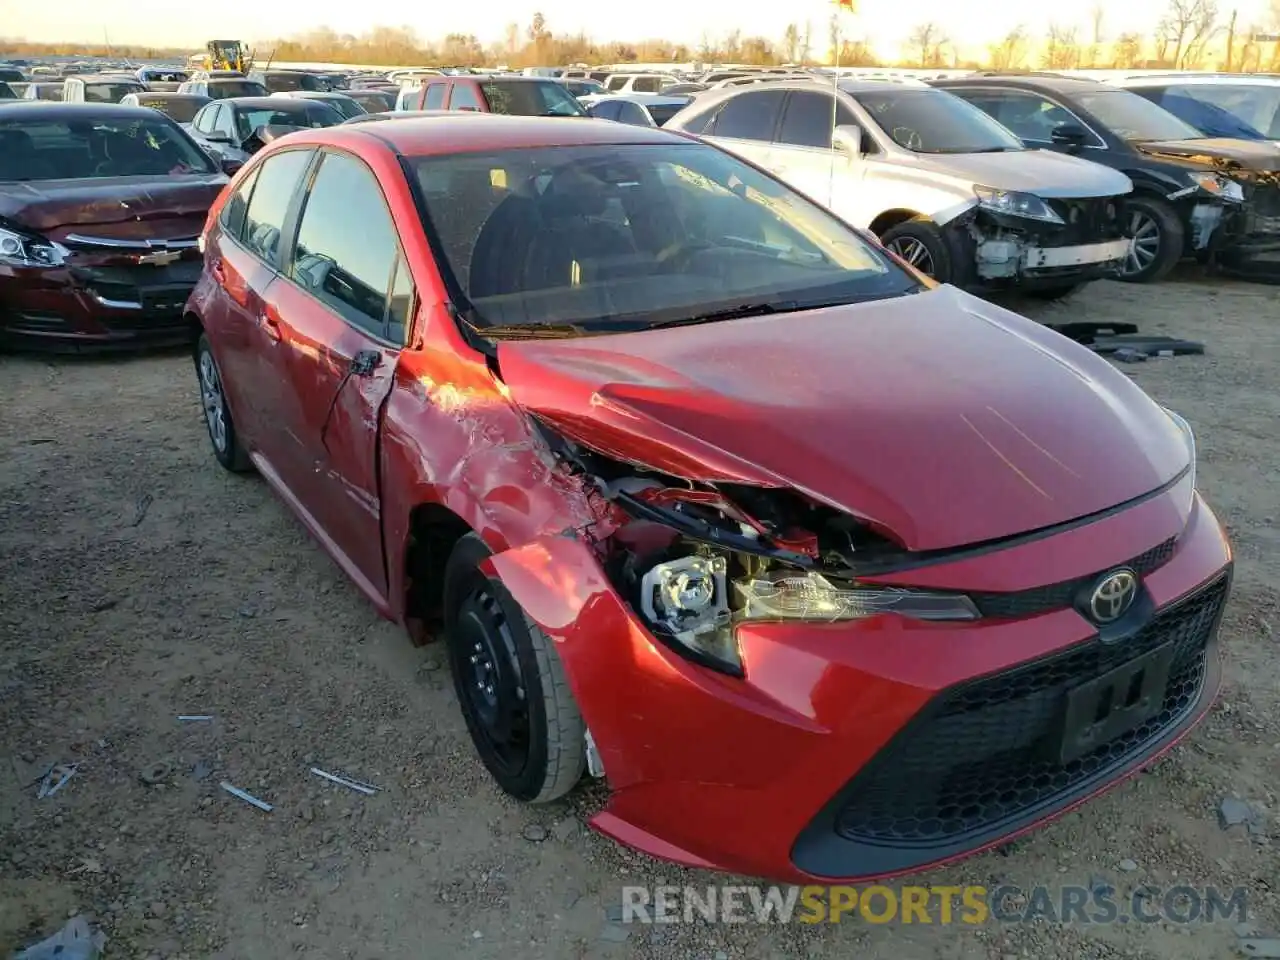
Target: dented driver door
343	307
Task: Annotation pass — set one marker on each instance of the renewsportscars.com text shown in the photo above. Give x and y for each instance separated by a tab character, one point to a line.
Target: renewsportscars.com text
970	905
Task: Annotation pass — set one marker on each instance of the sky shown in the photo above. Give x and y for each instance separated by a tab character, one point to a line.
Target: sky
971	24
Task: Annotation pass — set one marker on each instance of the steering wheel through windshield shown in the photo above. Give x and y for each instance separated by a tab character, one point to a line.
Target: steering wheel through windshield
906	137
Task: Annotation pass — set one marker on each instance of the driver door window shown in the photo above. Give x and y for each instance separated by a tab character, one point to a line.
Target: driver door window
204	120
464	98
807	122
225	123
633	114
1031	118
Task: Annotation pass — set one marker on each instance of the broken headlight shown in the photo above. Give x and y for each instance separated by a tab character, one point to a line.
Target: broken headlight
693	602
800	595
24	250
1014	204
1224	188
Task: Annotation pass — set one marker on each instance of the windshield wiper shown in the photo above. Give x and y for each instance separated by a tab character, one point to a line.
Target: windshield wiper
534	331
736	312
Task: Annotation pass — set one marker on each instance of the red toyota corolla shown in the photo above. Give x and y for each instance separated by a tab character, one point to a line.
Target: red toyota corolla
830	572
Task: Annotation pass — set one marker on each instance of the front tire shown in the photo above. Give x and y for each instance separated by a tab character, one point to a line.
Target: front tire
921	244
217	414
1159	239
510	683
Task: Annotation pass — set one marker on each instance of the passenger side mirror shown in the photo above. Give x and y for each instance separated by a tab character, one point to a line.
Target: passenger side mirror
1070	135
231	167
847	139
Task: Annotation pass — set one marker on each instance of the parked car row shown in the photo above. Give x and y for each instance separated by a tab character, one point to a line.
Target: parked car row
522	378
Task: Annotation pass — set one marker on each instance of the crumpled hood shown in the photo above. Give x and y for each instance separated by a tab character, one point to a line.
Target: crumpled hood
44	205
1219	153
1041	172
940	419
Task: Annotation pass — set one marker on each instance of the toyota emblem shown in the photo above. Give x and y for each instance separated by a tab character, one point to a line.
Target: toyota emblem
1113	596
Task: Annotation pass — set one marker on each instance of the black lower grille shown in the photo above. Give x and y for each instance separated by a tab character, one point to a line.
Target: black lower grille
1058	596
987	753
1087	220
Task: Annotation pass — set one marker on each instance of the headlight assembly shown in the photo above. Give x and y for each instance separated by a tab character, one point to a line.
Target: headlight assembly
22	250
800	595
1013	204
694	605
1222	187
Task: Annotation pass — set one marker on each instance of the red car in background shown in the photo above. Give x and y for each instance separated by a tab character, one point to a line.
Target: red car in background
101	207
832	573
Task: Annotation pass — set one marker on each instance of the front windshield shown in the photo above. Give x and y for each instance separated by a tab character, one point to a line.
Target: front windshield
1255	105
226	89
608	237
1131	117
250	120
662	112
49	149
532	99
110	92
345	106
931	121
182	109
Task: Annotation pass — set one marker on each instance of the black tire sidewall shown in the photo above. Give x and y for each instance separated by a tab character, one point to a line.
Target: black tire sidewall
930	235
461	573
1172	238
232	457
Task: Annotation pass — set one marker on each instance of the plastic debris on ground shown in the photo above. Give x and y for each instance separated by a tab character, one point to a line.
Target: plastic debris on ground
246	797
56	779
75	941
367	789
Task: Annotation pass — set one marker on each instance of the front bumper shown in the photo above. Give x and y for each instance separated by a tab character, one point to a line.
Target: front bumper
765	776
65	309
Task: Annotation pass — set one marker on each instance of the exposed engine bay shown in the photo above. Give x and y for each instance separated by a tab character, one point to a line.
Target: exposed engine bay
698	559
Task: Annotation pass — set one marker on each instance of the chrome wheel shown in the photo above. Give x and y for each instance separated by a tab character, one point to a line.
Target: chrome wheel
1146	243
212	400
914	252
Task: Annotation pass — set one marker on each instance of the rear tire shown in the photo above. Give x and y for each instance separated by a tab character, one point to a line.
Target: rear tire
920	243
510	683
1159	240
217	415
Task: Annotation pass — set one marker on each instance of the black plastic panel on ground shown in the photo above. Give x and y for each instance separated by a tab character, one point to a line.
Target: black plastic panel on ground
988	752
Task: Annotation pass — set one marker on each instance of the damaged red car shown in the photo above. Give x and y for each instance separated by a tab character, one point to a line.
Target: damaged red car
830	572
101	207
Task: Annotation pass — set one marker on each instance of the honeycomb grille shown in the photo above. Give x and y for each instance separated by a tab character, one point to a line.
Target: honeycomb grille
1058	596
987	752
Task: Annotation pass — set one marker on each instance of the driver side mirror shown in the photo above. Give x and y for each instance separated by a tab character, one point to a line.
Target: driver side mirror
1070	135
231	167
847	139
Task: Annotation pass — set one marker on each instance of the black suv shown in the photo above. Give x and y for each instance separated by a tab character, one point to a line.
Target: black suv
1215	199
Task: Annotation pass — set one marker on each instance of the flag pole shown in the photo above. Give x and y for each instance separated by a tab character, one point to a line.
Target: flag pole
835	102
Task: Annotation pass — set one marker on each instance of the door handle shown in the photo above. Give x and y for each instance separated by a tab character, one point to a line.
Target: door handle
270	321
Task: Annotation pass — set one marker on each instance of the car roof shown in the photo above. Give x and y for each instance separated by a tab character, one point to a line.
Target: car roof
1192	79
142	95
266	103
56	110
481	132
644	99
1053	84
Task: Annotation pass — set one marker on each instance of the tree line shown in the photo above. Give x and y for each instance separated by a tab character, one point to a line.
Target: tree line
1192	34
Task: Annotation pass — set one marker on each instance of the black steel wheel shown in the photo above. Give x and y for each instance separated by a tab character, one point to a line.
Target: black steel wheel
510	683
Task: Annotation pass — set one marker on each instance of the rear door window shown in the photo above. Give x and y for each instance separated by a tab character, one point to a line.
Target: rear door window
277	181
435	96
350	271
750	116
464	98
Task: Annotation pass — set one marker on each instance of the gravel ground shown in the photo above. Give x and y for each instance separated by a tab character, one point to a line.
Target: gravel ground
138	581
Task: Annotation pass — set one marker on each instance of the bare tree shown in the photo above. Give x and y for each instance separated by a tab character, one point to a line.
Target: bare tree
1095	37
511	42
791	43
806	43
1128	51
928	42
1187	25
1062	48
1011	52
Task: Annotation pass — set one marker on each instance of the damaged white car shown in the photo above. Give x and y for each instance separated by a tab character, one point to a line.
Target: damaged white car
944	186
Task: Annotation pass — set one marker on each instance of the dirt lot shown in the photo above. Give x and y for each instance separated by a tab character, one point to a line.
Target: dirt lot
138	582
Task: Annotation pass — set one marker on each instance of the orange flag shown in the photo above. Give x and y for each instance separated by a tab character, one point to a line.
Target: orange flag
849	6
